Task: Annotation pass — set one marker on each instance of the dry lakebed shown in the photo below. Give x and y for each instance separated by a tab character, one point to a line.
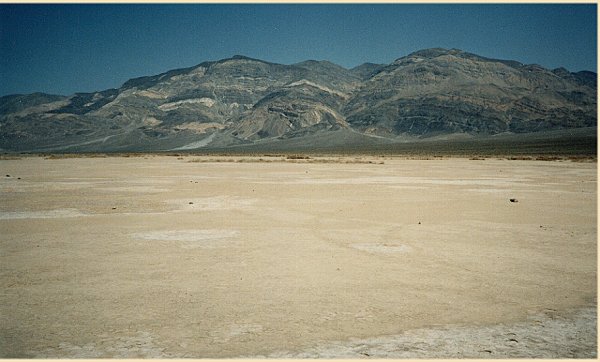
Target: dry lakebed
159	256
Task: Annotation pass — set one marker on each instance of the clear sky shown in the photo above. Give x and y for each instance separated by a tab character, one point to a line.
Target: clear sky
62	49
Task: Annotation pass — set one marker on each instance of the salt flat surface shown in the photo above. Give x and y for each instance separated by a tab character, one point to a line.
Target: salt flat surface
221	202
382	248
46	214
140	189
543	336
190	238
180	258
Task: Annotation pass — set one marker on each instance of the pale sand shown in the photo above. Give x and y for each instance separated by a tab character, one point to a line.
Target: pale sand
107	257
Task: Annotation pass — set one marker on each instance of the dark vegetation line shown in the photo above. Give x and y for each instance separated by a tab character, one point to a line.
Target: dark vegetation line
574	148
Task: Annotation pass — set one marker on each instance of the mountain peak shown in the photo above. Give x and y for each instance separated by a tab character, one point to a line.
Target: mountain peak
238	56
242	57
434	52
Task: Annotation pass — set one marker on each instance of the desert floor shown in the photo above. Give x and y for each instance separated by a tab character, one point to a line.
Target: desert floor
160	256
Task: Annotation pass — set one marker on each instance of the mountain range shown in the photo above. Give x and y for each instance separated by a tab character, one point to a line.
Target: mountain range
242	102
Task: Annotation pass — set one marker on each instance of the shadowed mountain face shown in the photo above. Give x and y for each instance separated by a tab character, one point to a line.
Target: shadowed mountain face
243	101
440	91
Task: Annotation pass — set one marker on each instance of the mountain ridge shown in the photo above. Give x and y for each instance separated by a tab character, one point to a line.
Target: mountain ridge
243	101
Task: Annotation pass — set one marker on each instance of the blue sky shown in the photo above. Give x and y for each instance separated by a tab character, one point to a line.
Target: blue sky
62	49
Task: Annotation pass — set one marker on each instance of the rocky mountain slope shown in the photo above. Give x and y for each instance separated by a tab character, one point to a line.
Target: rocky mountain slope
242	101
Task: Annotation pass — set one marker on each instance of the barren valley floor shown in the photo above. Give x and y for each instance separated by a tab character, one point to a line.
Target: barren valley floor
159	256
